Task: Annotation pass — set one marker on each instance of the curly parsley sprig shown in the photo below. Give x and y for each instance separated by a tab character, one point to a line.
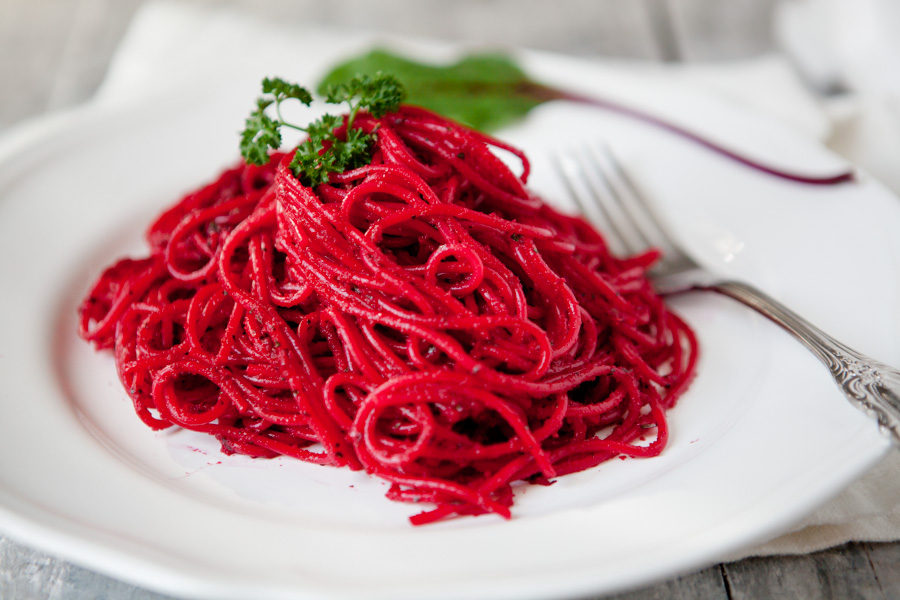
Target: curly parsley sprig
322	153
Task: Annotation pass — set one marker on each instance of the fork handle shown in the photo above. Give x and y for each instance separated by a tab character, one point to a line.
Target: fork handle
871	385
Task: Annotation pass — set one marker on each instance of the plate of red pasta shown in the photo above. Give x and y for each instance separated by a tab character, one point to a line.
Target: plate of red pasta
386	358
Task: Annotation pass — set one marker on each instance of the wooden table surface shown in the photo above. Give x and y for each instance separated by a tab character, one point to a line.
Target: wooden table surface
54	54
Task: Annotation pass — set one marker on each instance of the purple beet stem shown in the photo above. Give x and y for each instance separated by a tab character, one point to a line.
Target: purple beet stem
642	116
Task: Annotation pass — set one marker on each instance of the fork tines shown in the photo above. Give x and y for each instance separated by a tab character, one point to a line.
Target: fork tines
611	201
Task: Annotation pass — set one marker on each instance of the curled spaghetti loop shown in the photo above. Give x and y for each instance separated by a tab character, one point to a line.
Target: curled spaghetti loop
425	318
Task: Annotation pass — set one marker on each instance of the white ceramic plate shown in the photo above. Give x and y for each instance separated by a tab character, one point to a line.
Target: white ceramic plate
759	441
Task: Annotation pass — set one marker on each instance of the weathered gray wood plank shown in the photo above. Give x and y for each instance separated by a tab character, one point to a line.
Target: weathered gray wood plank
95	31
843	573
885	561
31	50
710	30
708	584
54	53
27	574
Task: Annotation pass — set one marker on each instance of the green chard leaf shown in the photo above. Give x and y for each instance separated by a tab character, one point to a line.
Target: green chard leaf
488	91
484	91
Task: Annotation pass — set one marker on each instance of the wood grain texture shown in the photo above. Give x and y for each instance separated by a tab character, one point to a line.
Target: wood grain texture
27	574
844	572
726	30
708	584
54	54
885	562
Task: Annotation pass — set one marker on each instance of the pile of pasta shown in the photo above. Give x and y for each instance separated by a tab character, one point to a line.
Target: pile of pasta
425	318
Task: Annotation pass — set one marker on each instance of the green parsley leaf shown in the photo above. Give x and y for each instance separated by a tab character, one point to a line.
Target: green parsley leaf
378	93
282	90
260	133
323	152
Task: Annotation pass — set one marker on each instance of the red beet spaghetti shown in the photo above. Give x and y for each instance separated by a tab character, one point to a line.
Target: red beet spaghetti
424	317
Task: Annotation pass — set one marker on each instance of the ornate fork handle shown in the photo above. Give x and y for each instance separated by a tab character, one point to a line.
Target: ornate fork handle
872	386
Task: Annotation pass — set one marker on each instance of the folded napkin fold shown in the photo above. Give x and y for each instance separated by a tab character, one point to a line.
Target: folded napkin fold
867	511
172	47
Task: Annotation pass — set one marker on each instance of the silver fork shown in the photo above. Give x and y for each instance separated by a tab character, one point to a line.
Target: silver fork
603	190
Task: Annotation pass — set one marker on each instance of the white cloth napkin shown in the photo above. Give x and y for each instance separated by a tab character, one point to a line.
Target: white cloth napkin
171	48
